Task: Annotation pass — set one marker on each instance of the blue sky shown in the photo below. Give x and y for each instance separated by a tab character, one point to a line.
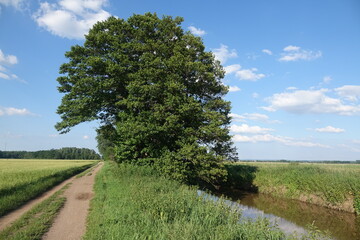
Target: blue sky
293	68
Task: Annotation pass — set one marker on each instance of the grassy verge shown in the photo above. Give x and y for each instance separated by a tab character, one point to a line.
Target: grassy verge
136	203
22	180
333	185
35	223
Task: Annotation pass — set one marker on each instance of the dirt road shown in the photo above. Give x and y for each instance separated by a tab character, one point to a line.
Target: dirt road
70	224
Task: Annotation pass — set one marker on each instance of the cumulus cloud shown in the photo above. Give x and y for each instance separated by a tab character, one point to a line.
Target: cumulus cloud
330	129
232	68
271	138
350	92
223	53
309	101
244	128
295	53
244	74
196	31
86	137
267	51
252	116
7	59
11	111
249	74
234	89
71	18
5	62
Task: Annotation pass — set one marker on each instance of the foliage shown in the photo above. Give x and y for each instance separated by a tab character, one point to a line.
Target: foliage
157	94
134	202
63	153
36	222
240	177
333	183
22	180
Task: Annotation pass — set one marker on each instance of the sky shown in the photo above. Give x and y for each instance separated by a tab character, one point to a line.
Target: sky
292	67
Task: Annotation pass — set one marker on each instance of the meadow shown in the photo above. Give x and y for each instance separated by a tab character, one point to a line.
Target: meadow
22	180
133	202
332	185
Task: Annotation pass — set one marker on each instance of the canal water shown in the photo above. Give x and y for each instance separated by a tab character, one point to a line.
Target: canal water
293	216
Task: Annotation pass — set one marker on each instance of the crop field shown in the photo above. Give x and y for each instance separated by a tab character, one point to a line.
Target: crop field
332	185
22	180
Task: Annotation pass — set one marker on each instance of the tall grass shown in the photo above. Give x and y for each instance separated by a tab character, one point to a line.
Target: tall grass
22	180
334	184
133	202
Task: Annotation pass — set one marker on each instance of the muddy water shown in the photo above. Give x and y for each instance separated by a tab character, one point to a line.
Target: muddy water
295	216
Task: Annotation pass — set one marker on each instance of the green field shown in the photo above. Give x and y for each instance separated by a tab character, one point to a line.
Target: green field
332	185
22	180
133	202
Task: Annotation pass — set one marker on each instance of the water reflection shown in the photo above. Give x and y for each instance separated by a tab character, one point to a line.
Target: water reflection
292	215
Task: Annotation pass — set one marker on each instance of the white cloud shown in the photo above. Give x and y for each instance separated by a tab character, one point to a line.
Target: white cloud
71	18
271	138
232	68
291	48
234	89
7	59
86	137
309	101
349	92
291	88
196	31
267	51
249	74
10	111
244	128
294	53
255	95
327	79
330	129
13	3
223	53
252	116
4	76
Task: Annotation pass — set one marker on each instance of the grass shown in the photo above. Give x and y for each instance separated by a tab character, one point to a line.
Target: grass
332	184
22	180
36	222
134	202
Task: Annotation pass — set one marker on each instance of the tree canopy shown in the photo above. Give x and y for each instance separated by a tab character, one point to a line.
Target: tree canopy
156	92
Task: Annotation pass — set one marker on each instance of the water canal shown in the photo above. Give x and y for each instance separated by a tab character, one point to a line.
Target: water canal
295	216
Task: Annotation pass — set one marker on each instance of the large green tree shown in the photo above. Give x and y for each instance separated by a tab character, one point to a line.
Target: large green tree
157	93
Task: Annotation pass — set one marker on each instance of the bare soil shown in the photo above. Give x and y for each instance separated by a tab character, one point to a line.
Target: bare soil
70	224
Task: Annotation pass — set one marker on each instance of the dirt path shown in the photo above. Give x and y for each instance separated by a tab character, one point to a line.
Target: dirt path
6	220
70	224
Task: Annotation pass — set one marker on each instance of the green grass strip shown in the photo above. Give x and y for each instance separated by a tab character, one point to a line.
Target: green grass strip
36	222
134	202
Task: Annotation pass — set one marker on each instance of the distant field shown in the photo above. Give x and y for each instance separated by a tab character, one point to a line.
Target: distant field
332	185
22	180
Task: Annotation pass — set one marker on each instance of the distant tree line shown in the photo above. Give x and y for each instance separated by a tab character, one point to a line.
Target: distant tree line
63	153
305	161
